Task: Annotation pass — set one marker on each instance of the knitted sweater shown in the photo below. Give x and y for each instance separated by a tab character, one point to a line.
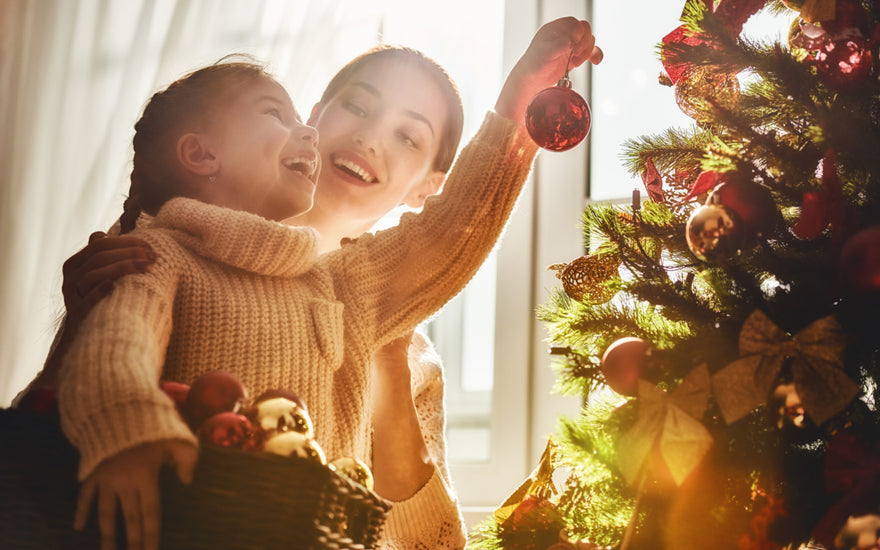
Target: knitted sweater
233	291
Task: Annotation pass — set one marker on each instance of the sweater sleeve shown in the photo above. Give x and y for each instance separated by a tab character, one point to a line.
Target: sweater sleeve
399	277
109	397
431	518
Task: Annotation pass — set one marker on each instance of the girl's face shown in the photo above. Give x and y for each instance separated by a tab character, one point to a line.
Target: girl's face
266	158
380	135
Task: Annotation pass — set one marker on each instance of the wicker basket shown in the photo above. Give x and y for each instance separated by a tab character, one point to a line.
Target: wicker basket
237	500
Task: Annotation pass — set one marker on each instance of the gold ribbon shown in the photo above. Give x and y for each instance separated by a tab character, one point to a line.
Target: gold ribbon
539	483
816	355
670	421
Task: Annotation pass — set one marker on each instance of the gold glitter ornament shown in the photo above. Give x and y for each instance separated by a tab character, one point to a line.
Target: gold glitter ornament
699	87
584	276
354	470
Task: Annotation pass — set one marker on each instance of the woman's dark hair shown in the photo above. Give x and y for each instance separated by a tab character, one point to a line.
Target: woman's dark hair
455	121
182	107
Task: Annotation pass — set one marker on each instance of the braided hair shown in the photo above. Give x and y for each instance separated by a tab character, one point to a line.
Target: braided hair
156	175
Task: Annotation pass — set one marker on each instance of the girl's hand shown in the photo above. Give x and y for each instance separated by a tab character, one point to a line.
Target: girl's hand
544	62
131	479
89	274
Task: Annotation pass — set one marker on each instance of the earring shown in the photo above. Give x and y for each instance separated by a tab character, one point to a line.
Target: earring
212	179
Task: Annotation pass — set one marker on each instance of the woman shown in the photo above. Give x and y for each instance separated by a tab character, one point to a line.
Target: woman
382	143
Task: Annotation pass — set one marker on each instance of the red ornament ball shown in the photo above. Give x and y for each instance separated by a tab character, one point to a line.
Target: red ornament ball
751	201
229	429
558	118
623	364
715	233
844	64
212	393
860	262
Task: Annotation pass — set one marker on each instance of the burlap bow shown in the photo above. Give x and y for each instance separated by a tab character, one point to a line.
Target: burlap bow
816	355
670	421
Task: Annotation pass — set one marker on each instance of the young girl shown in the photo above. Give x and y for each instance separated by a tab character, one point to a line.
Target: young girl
549	50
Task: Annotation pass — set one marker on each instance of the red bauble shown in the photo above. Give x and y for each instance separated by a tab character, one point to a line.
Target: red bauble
860	262
558	118
844	64
751	201
536	517
229	429
623	364
212	393
848	15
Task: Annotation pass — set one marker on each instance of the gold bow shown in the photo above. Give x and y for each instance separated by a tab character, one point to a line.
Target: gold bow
816	355
671	421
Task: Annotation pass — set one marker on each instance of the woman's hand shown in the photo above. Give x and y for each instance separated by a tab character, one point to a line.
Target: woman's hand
544	62
90	273
401	464
131	479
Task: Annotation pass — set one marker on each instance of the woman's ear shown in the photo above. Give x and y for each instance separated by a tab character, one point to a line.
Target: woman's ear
196	155
429	186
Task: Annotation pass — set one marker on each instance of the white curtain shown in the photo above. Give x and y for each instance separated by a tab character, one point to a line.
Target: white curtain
74	76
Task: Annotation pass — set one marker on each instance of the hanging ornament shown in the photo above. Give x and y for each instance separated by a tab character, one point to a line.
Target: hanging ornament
558	118
752	202
354	470
815	355
624	362
534	525
860	262
700	89
229	429
844	17
715	233
806	36
653	182
295	444
822	208
585	276
844	64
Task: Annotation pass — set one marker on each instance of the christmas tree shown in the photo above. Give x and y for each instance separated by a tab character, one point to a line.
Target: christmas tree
725	332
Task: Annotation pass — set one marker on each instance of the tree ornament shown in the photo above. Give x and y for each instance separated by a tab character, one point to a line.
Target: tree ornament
806	36
668	424
715	233
538	516
295	444
815	355
844	64
278	415
585	276
859	266
788	407
624	362
354	470
558	118
859	533
848	18
212	393
700	89
177	391
751	201
229	429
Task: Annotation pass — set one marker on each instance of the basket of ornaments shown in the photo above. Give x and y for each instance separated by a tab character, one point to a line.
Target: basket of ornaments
261	482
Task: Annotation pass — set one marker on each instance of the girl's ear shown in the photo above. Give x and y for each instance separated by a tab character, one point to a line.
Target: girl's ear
313	116
429	186
196	155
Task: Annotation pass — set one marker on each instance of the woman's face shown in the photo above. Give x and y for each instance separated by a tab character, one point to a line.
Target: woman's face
379	136
267	160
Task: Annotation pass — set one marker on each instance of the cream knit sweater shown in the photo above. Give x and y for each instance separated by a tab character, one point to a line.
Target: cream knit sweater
233	291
